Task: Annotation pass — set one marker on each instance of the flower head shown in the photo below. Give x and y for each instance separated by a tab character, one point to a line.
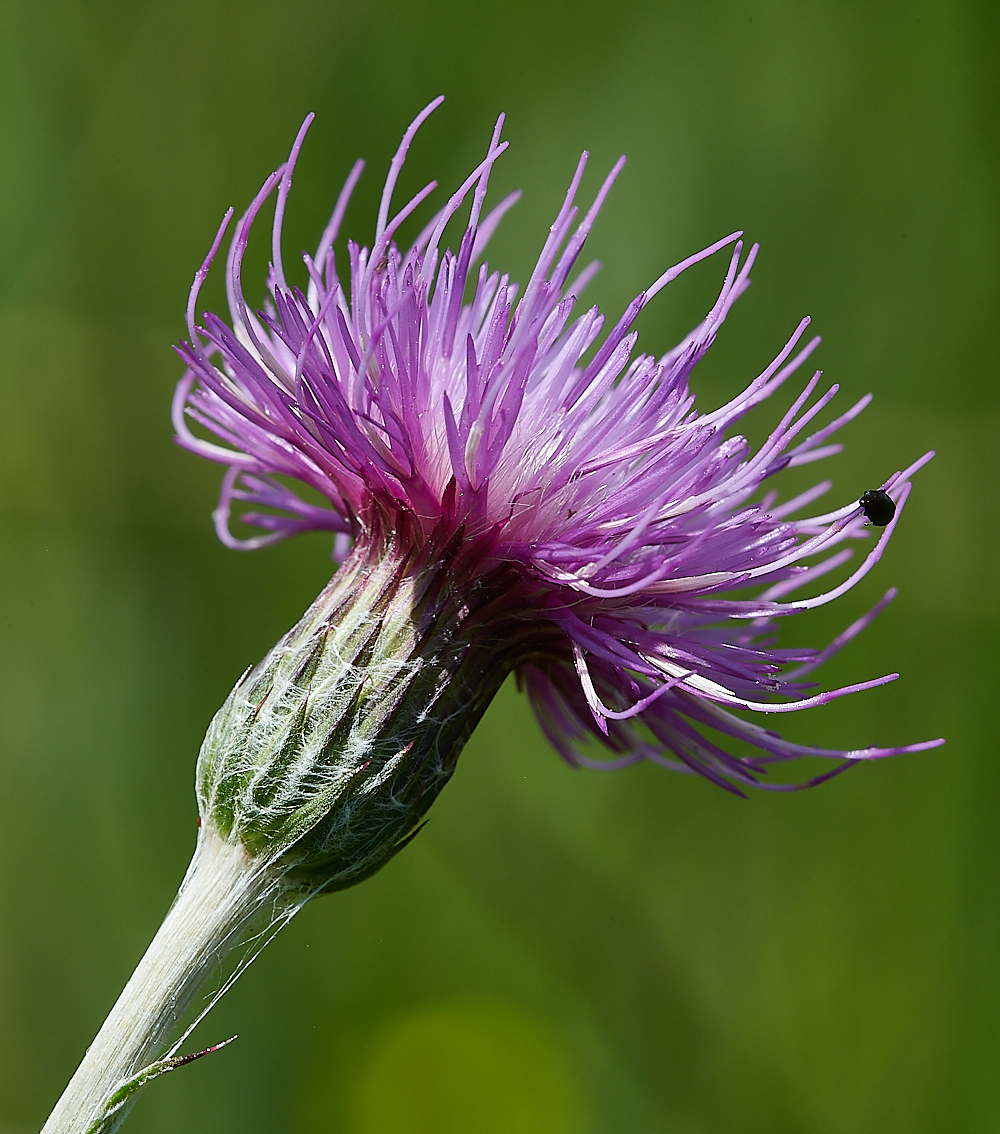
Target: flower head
618	549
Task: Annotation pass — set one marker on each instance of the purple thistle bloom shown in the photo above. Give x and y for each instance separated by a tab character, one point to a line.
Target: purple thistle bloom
621	532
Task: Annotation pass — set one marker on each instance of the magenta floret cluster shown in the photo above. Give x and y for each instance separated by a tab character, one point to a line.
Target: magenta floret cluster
424	383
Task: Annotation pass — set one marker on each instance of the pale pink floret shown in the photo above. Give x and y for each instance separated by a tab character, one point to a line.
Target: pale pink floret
632	511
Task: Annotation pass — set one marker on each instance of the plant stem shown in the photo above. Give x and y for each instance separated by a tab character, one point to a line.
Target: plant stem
221	893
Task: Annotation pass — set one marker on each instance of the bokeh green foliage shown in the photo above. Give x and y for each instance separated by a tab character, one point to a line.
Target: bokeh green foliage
631	952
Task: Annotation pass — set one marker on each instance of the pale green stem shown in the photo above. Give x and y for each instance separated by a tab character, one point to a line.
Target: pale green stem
221	894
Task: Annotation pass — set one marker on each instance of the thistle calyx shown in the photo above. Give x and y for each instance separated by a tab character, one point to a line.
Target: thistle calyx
326	756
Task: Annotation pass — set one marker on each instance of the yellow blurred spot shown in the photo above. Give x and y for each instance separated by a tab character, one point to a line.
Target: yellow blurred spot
471	1068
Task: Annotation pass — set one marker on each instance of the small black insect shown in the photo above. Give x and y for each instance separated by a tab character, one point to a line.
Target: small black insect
878	506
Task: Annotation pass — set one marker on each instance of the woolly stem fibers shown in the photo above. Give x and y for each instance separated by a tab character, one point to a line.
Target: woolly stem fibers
222	893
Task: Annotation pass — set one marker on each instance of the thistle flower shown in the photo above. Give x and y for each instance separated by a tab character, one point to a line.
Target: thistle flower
589	528
509	490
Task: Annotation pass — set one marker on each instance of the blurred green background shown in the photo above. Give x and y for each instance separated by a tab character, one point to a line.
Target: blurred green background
559	951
